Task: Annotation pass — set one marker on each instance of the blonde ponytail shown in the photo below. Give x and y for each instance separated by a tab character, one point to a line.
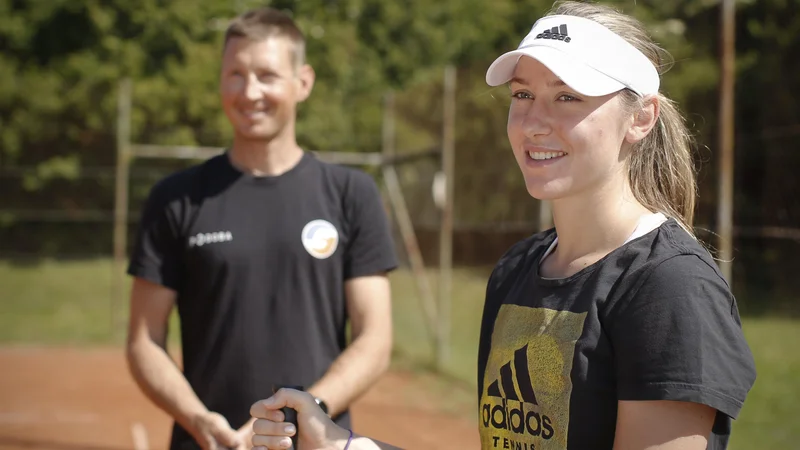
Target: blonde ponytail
660	168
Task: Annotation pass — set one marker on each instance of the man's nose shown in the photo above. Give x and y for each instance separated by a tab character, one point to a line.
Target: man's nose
252	88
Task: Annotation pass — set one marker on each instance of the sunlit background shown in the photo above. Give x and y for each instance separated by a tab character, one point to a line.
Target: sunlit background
101	98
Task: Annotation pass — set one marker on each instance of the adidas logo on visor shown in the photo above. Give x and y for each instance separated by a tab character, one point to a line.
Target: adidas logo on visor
558	33
598	63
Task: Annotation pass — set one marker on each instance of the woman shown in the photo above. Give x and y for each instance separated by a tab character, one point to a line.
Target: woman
615	329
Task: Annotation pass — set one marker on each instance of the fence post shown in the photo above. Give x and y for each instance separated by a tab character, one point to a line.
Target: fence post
446	231
726	139
121	199
395	193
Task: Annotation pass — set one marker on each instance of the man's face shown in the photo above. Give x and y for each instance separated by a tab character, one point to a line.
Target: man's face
261	85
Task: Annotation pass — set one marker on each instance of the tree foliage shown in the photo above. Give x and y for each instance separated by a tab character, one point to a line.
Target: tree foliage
61	61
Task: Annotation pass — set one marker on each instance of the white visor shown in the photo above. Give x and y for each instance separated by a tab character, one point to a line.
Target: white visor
586	56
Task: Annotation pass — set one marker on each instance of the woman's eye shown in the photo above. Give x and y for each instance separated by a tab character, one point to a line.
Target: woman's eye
521	95
567	98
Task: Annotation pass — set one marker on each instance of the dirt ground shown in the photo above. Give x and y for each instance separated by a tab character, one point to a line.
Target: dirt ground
79	399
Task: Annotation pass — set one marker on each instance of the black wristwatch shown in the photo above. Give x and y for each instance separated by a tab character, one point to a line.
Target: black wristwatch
322	404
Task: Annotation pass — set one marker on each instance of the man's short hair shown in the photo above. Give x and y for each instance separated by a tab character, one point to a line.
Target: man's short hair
264	23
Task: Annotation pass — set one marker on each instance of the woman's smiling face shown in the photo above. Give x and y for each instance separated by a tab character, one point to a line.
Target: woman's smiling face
565	143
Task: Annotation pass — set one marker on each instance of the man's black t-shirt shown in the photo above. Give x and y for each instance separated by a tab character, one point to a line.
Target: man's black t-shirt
653	320
259	266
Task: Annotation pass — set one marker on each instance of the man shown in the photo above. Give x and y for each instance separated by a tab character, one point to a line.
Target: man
266	252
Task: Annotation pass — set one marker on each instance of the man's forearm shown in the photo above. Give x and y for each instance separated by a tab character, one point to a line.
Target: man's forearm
352	373
163	383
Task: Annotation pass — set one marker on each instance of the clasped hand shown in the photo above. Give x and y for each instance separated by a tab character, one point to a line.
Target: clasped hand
317	430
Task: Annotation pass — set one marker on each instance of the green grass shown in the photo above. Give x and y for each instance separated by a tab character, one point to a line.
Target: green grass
413	340
771	415
53	302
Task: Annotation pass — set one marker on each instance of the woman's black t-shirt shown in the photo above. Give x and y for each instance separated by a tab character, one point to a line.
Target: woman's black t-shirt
653	320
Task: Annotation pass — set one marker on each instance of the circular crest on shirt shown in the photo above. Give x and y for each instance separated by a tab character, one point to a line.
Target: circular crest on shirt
320	238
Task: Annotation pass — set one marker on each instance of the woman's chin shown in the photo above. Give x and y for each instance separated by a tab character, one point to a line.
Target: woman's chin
545	191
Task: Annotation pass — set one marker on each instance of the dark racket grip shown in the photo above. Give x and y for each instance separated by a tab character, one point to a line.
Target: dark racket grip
290	414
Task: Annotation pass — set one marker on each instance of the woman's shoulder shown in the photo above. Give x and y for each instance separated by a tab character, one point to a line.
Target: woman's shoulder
669	267
674	247
667	263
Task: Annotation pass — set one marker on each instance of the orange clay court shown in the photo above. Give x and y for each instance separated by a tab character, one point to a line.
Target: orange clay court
84	399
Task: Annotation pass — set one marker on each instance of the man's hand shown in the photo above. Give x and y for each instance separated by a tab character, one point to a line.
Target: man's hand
213	432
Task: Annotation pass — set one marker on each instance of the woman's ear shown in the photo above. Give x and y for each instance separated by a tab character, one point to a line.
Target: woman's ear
644	119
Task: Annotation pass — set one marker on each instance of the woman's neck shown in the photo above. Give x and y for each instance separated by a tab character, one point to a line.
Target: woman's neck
591	226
